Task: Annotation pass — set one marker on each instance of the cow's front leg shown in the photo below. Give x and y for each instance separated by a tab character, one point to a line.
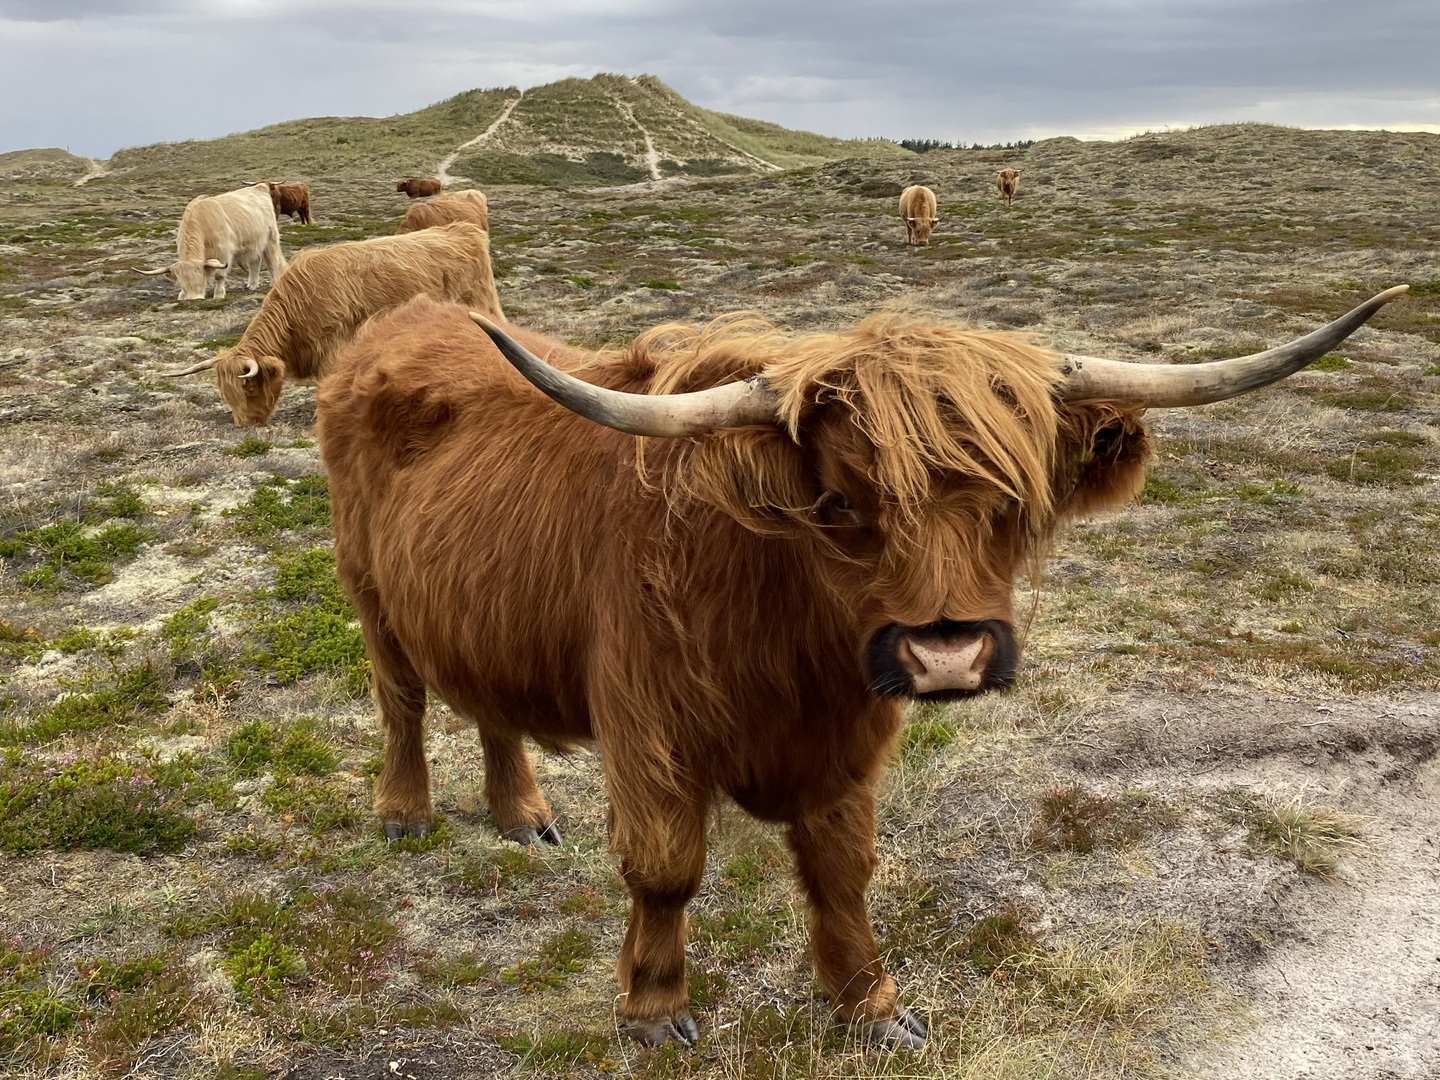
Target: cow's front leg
835	858
654	1000
220	285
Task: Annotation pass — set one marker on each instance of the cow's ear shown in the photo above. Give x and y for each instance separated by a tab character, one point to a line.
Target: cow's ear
1108	449
757	475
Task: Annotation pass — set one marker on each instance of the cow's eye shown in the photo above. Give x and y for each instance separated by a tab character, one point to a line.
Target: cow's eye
835	509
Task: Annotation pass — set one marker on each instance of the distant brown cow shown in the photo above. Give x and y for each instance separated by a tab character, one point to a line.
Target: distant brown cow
418	187
320	302
468	205
293	199
917	207
1007	182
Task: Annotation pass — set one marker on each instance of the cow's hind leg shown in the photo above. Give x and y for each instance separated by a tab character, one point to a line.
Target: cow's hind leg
516	803
402	790
654	1000
835	858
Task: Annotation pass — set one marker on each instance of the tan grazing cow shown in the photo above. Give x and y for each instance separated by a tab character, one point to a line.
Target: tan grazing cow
917	207
468	205
320	303
419	187
1008	181
217	231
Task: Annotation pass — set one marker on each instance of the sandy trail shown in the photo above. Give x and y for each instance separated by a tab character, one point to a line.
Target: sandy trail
442	171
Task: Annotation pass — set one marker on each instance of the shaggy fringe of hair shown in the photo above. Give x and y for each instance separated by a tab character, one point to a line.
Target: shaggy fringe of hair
932	397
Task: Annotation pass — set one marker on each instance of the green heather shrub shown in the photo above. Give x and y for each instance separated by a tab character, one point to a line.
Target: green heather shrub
340	938
68	553
280	505
560	956
313	629
301	749
102	803
101	699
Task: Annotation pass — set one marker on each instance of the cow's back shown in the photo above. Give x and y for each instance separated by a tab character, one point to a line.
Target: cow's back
239	222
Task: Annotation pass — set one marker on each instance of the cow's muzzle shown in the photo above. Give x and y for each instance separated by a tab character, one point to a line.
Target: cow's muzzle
941	660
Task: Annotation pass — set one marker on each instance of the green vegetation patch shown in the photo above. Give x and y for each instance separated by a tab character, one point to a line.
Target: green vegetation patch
1384	459
32	1016
280	505
67	552
561	1051
1330	362
297	750
310	626
133	1001
341	938
101	699
598	167
250	447
101	803
504	868
560	956
928	730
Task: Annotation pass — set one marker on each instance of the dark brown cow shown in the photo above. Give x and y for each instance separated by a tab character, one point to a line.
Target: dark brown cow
468	205
1008	181
419	187
817	529
292	199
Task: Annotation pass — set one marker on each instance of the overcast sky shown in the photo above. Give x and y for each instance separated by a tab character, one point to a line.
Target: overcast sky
97	75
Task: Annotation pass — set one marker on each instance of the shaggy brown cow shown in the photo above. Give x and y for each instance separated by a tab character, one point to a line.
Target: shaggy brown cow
292	199
1008	181
818	529
217	230
328	292
917	207
419	188
468	205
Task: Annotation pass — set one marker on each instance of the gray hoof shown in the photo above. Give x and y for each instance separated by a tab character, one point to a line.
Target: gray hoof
905	1031
396	831
680	1028
527	837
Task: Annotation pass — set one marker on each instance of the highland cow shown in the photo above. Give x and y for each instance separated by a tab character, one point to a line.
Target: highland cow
806	533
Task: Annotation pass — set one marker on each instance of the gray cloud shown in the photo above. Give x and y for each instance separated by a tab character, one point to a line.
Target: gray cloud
146	70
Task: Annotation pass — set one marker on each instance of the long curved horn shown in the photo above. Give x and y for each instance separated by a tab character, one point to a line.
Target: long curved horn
251	368
203	365
150	273
737	404
1173	386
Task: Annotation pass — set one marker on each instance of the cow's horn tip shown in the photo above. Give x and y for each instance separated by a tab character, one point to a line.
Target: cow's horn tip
481	321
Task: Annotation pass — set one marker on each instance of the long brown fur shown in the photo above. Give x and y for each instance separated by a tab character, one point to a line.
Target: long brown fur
293	199
691	607
419	187
468	205
327	293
